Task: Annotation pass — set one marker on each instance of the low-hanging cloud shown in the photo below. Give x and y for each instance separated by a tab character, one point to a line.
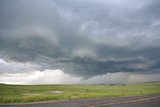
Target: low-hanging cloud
81	38
59	77
37	77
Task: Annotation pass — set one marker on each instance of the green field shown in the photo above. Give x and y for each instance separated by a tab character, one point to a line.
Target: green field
34	93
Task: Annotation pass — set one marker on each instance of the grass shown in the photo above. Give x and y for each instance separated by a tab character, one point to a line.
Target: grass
34	93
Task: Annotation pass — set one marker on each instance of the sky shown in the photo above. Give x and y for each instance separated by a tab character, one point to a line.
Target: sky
79	41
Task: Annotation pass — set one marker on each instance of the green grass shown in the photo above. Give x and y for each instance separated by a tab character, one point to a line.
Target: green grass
34	93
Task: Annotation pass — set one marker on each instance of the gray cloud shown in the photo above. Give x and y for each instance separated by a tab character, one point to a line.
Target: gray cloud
59	77
82	38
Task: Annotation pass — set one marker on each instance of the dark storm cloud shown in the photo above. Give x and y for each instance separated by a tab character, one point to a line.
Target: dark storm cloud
84	38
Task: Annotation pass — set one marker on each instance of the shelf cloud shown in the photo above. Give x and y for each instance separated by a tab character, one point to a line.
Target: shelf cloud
82	39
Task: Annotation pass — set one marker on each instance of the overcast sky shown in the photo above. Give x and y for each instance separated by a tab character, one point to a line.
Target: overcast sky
79	41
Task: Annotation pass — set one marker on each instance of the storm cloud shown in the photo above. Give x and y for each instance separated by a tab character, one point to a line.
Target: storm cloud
81	38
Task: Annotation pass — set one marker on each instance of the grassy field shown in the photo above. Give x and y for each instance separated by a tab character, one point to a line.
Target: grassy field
34	93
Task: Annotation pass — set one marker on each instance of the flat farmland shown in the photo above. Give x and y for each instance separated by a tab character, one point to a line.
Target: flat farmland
36	93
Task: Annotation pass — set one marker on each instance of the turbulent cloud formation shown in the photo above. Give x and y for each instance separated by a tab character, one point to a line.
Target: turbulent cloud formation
79	37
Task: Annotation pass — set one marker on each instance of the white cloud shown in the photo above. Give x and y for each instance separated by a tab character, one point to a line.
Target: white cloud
37	77
59	77
15	66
